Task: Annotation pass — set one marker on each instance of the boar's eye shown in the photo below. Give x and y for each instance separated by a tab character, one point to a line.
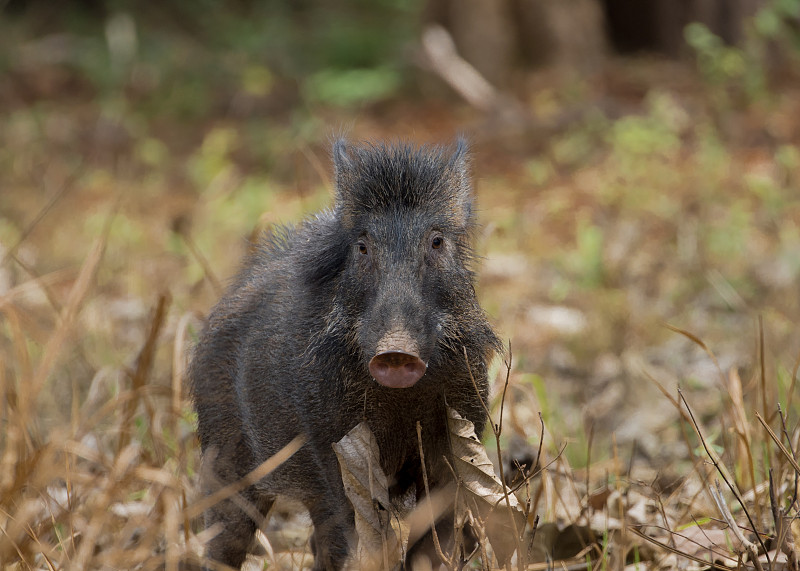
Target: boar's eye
437	242
362	247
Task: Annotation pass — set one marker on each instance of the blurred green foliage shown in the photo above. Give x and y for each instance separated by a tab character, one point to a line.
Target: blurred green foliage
742	70
168	54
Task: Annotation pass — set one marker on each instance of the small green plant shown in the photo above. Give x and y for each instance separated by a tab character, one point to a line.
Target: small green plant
351	87
724	67
741	72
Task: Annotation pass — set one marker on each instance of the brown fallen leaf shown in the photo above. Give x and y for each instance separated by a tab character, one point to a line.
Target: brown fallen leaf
486	497
792	548
712	545
366	486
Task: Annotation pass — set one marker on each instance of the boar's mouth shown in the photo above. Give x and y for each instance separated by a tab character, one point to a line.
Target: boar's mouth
396	363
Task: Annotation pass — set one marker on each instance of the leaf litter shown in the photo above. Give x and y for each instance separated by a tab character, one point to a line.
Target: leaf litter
480	497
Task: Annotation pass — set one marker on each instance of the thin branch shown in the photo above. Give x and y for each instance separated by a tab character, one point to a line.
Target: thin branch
785	431
728	483
665	546
497	430
723	508
447	561
780	444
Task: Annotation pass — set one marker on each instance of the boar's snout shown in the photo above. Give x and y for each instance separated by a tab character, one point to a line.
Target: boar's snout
396	370
396	363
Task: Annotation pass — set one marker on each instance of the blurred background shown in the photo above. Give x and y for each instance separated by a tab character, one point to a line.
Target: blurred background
636	164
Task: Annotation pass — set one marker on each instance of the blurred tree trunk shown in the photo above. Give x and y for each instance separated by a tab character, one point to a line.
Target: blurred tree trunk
657	25
500	36
483	32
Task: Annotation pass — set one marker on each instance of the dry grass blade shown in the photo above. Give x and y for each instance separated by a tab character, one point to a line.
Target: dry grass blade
76	296
211	276
179	362
722	472
762	367
795	368
675	402
433	517
316	165
787	454
144	363
254	476
125	459
172	519
741	423
430	508
695	339
57	195
21	350
41	283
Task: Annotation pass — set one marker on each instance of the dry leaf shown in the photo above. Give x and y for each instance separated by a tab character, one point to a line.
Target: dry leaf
713	545
793	541
484	490
366	486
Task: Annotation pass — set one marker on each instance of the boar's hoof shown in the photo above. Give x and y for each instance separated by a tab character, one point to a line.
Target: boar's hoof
396	369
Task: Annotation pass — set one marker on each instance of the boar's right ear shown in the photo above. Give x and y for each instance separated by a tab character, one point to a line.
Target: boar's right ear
459	161
343	167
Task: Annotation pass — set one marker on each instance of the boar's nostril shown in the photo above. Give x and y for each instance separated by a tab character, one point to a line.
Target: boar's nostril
396	369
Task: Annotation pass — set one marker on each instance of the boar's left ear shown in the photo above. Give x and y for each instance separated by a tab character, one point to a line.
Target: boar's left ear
459	166
342	162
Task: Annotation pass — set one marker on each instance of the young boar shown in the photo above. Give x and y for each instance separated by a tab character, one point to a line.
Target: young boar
363	312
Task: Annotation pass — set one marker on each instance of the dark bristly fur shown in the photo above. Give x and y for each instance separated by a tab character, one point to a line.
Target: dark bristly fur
286	350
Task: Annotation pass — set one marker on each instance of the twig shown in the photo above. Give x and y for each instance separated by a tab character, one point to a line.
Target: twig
497	430
532	475
541	439
458	528
589	458
722	506
791	450
57	195
780	444
447	561
781	531
503	397
534	527
670	549
477	390
728	483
